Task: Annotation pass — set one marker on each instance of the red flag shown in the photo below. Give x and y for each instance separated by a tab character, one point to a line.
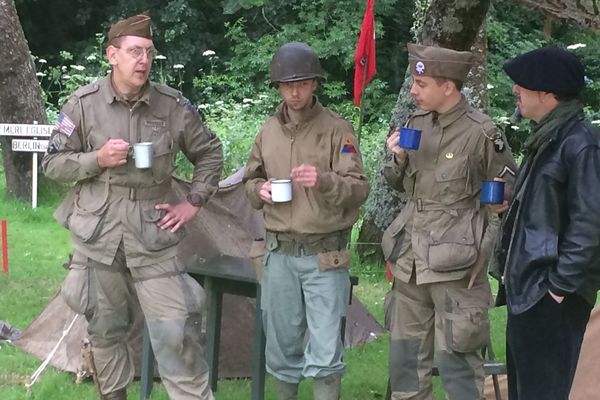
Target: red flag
364	57
388	272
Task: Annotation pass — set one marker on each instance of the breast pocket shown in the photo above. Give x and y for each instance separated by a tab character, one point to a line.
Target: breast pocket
452	180
157	131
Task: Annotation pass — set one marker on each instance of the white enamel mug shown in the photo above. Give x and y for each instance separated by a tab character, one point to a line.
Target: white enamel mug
142	153
281	190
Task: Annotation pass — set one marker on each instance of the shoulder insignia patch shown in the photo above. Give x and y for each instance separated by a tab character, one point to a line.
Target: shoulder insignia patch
348	147
54	144
64	124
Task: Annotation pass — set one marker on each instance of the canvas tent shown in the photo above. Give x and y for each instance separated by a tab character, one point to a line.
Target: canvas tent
225	226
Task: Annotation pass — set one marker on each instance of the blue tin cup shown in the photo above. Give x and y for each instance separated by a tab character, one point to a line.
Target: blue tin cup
492	192
409	138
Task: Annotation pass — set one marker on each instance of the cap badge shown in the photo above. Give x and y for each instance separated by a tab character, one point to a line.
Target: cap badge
420	68
450	155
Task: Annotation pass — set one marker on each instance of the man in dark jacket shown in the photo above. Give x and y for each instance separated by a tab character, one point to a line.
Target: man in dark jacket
549	248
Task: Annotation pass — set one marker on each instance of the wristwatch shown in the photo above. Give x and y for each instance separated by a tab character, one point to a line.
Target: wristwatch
194	199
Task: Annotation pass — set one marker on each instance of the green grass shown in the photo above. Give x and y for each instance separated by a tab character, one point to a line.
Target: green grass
38	247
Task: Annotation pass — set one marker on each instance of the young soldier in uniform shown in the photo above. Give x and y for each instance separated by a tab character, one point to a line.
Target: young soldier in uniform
550	240
123	228
305	285
439	244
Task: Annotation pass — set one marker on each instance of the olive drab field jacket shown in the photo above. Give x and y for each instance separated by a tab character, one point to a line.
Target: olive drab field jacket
325	140
110	205
443	229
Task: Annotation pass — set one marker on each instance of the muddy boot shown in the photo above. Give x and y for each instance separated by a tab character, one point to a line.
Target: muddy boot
286	390
118	395
328	388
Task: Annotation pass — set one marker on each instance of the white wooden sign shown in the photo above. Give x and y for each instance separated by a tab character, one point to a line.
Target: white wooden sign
30	145
34	146
26	130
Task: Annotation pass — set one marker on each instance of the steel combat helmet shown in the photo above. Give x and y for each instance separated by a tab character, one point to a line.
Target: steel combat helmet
295	61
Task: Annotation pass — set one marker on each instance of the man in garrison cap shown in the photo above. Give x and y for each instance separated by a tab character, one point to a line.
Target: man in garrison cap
550	238
124	225
439	245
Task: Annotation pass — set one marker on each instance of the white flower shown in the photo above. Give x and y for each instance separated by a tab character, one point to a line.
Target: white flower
160	57
40	74
91	57
203	106
66	77
490	86
246	100
219	103
596	122
515	127
178	66
208	53
42	61
63	68
78	67
576	46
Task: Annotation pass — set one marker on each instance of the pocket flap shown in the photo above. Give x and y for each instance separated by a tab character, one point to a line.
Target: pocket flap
452	170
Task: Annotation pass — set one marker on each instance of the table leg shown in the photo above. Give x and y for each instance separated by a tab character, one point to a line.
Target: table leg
258	357
213	330
147	366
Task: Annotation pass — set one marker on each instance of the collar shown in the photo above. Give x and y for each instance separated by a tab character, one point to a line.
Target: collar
447	118
111	95
307	115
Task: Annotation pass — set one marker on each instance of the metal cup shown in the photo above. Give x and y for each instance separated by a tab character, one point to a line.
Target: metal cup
492	192
281	190
142	153
409	138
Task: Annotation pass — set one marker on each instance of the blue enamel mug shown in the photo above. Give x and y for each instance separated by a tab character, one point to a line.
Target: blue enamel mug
409	138
492	192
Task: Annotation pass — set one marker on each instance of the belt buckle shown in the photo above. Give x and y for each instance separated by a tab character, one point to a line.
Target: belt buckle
132	193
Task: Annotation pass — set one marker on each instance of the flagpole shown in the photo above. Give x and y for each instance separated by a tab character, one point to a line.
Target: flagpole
362	98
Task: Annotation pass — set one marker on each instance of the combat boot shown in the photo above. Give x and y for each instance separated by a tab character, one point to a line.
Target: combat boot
286	390
118	395
328	387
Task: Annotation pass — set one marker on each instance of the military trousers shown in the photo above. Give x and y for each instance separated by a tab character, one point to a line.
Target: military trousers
442	320
171	302
302	315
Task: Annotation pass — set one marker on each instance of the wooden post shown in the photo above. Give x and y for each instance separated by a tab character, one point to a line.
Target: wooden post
4	247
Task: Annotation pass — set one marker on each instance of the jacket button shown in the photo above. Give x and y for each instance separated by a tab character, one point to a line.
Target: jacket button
336	261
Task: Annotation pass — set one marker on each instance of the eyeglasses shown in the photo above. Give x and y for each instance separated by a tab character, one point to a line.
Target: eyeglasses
137	52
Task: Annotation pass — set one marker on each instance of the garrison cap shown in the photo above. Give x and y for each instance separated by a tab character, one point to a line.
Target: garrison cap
549	69
138	25
439	62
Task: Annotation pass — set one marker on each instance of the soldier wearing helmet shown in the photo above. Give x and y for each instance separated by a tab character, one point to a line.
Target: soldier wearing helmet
305	283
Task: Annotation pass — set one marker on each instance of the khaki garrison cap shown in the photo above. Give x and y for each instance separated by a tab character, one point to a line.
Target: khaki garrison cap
438	62
138	25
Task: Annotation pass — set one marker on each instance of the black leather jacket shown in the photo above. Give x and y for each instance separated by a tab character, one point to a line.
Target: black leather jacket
554	243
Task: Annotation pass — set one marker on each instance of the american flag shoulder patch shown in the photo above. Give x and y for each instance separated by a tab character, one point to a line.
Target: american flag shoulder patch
64	124
348	147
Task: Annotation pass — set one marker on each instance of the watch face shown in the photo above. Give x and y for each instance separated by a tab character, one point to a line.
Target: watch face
194	199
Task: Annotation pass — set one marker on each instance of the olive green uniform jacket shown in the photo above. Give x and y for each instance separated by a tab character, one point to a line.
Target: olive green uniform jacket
443	228
322	139
117	204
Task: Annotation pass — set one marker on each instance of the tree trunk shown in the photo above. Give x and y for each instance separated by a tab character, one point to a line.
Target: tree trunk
456	24
20	98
